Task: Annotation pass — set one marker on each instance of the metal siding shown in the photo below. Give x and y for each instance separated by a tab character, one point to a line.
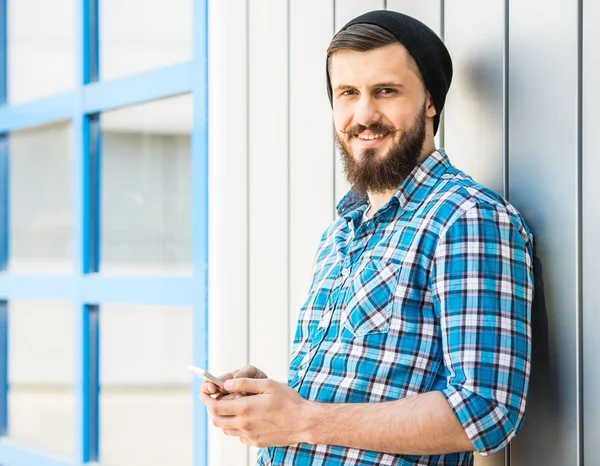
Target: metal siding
591	233
345	10
543	77
311	142
474	135
268	189
227	205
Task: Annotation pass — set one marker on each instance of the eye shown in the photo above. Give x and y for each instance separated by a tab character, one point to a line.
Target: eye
387	90
348	92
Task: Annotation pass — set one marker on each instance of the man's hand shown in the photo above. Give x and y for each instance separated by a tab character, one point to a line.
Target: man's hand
275	416
249	372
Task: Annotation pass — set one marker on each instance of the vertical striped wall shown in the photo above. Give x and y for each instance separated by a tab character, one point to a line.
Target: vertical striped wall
520	118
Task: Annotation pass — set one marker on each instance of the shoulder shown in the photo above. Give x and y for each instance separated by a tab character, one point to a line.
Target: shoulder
457	198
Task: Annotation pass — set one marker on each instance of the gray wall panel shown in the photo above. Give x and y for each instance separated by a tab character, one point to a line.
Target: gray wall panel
591	233
474	135
543	186
268	201
473	131
311	143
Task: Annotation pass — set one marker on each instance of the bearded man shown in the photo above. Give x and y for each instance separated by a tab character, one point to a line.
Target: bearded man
413	346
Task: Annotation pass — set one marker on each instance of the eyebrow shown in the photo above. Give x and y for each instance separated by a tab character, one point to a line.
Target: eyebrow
343	87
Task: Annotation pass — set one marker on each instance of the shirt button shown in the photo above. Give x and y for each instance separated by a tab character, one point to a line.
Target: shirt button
345	272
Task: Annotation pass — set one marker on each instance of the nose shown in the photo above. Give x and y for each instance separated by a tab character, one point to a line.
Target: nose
366	111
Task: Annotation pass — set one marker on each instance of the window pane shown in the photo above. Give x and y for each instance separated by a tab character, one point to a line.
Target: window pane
145	225
136	37
40	397
145	396
40	200
40	48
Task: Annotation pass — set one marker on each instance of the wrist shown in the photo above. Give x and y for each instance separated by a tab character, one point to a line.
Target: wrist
310	419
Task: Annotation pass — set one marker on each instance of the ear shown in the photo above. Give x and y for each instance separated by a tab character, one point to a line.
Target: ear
430	110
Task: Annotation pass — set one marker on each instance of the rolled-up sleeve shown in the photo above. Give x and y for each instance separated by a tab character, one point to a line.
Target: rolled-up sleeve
482	283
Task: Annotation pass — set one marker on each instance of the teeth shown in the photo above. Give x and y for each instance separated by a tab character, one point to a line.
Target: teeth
371	137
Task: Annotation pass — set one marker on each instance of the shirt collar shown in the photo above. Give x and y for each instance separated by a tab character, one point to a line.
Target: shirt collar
413	190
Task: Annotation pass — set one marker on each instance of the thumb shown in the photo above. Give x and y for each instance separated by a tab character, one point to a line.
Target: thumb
245	385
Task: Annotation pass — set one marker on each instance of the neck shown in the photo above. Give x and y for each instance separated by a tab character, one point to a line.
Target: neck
378	200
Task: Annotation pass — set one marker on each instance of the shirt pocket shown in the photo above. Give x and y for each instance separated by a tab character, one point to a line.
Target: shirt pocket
370	298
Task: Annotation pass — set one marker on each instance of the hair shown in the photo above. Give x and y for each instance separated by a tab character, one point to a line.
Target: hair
364	37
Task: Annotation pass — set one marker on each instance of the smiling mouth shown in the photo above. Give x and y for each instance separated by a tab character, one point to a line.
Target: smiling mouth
370	138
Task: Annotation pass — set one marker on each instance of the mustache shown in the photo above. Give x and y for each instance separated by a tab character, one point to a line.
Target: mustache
377	128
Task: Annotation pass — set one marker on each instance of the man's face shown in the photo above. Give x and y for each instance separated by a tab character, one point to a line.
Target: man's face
380	110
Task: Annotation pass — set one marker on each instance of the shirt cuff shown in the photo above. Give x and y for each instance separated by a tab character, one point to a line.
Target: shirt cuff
487	425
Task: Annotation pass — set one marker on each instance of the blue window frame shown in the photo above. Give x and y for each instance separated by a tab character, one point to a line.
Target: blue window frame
86	289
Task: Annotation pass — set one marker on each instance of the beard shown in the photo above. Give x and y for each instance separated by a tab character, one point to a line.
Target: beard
378	174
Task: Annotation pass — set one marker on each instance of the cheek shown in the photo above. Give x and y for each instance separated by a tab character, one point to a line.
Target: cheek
342	117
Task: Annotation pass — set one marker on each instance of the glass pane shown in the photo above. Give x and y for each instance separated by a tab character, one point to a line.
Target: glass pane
40	48
140	36
145	396
40	200
40	397
146	225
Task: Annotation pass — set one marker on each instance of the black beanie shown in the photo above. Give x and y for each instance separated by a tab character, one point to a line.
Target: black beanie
423	44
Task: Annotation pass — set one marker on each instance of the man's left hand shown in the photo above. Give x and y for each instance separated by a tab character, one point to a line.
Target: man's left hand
275	416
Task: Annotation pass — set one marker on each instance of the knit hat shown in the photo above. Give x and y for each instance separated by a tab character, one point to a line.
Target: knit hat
425	47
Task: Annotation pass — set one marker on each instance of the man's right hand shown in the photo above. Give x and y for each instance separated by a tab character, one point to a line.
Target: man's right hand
248	372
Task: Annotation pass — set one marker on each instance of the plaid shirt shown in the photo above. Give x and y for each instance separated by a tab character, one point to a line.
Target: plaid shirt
433	293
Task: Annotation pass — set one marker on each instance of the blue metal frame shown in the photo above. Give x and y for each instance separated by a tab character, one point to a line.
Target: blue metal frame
199	167
4	190
3	52
85	288
3	368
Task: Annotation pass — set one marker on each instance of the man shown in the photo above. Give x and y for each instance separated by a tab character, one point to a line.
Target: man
413	346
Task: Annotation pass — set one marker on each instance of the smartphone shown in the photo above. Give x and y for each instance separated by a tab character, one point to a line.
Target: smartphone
208	377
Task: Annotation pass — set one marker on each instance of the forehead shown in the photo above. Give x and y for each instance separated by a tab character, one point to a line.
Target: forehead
379	65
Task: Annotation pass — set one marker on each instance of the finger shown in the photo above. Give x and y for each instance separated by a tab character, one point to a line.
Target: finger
250	372
247	372
231	407
208	401
228	375
209	388
225	422
249	386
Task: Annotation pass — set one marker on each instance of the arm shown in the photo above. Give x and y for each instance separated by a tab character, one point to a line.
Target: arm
418	425
482	284
277	415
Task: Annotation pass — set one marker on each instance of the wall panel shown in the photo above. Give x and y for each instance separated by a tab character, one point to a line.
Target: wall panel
228	207
268	333
591	233
311	142
268	148
543	186
473	132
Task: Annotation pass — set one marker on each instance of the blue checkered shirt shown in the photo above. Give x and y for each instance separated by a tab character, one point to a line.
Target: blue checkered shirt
433	293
